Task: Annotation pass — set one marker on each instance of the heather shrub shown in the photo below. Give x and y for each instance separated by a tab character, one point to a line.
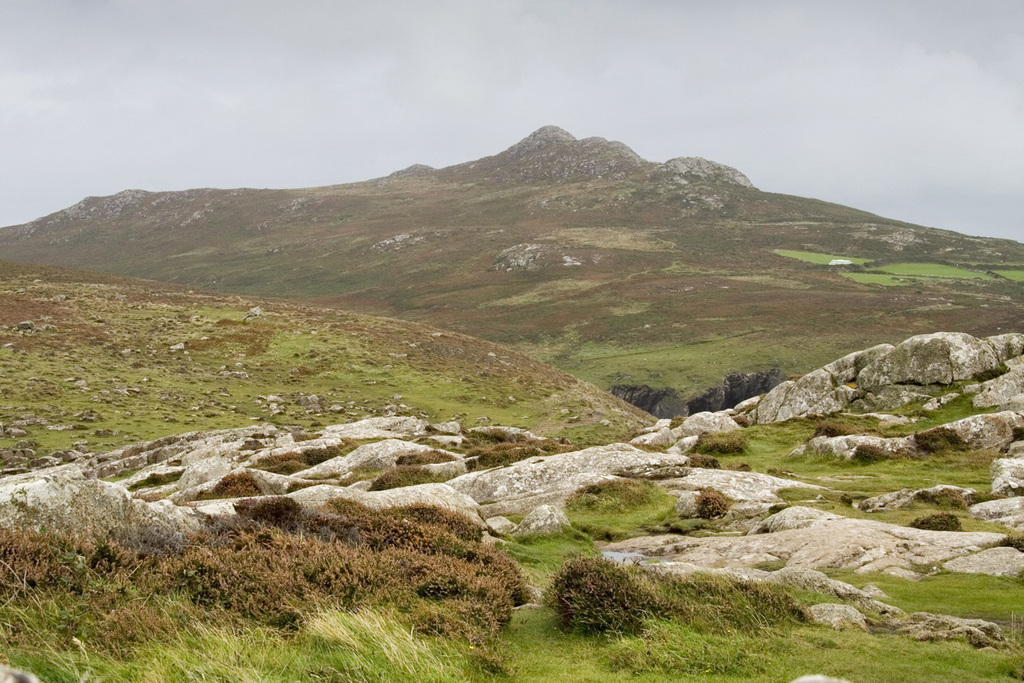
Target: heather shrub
711	504
867	454
594	595
234	485
940	439
613	496
940	521
835	427
1015	541
291	462
947	498
156	480
404	475
431	457
455	523
706	461
725	443
482	455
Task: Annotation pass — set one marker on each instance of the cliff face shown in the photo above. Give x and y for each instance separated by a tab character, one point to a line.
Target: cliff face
666	402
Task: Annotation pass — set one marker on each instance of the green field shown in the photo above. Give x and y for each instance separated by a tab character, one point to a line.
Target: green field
933	270
815	257
1015	275
875	279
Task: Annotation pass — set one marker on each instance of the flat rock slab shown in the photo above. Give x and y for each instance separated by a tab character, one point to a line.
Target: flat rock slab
804	537
994	562
751	487
441	495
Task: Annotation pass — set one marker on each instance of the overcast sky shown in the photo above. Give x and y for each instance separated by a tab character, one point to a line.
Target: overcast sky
910	109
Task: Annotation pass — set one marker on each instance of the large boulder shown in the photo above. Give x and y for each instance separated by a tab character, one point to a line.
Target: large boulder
1007	476
705	422
938	358
1007	511
1001	390
904	498
846	446
63	500
993	430
836	615
746	487
816	393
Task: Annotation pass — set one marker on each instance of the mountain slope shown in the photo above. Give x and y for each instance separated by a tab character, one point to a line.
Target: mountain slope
576	251
101	360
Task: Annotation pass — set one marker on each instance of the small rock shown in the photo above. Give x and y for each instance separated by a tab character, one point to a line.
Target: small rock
838	616
543	521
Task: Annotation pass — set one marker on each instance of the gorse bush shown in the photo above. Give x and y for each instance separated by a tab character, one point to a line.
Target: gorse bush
725	443
940	521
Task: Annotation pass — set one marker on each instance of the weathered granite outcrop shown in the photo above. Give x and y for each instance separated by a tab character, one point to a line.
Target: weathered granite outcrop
809	538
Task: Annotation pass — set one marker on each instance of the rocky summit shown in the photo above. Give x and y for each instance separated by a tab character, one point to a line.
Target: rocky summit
869	494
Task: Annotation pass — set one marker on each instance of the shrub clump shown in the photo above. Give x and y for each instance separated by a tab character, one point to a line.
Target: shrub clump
614	496
1015	541
940	521
485	454
708	462
940	439
237	484
404	475
432	457
724	443
866	454
594	595
833	428
291	462
945	498
711	504
156	480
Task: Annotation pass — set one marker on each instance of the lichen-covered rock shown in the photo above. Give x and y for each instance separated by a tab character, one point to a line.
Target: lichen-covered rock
816	393
846	446
656	439
380	455
838	616
804	537
706	422
993	430
500	525
817	582
1001	390
1007	476
522	486
938	358
926	626
63	500
748	487
904	498
1008	512
545	520
441	495
994	562
378	428
1007	346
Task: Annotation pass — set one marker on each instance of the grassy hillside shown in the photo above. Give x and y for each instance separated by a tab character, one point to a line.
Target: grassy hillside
570	250
106	360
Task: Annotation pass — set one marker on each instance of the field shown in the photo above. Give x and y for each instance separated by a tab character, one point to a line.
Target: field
820	259
876	279
1015	275
934	270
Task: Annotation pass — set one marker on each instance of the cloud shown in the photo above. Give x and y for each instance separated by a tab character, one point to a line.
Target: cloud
882	105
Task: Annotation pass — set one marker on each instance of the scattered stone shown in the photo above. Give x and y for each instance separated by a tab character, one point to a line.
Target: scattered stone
500	525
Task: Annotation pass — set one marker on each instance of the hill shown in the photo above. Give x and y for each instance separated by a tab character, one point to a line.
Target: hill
93	361
577	252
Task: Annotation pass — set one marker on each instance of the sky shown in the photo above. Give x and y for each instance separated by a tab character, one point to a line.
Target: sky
912	109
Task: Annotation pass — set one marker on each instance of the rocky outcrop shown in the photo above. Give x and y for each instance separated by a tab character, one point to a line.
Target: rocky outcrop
1007	476
846	446
63	500
809	538
904	498
1007	562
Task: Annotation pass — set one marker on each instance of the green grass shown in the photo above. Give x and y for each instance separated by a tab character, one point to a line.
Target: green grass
1015	275
932	270
818	258
876	279
615	510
